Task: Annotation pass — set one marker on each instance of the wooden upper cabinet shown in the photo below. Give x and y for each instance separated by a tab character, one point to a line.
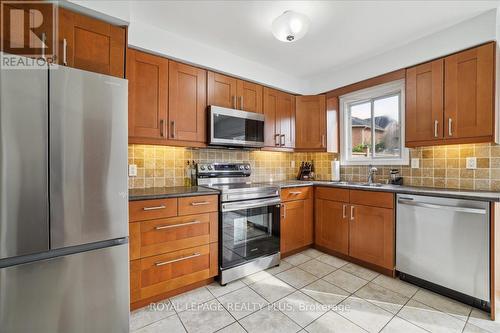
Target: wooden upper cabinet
286	117
371	235
249	96
90	44
148	95
310	123
424	102
222	90
279	112
331	225
187	102
271	123
469	93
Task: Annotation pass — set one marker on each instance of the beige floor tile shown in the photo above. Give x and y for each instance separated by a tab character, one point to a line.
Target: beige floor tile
207	317
398	325
364	314
444	304
469	328
396	285
272	289
217	290
278	269
313	253
359	271
301	308
325	293
296	277
331	322
191	299
482	320
242	302
171	324
345	280
256	277
384	298
149	314
297	259
233	328
269	320
317	268
430	319
331	260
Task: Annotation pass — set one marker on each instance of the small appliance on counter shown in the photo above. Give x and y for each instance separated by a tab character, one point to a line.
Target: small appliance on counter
395	178
306	171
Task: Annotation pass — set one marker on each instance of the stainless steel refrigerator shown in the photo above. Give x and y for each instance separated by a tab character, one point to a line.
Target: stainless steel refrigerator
63	202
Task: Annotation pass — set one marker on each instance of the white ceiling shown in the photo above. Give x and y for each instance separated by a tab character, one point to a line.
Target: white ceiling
342	33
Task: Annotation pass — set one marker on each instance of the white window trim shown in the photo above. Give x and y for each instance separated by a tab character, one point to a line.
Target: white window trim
394	87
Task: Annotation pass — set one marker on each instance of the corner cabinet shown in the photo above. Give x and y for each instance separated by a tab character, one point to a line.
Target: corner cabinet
451	100
229	92
279	127
90	44
310	123
296	224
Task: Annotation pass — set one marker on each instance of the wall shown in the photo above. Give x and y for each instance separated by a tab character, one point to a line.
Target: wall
441	166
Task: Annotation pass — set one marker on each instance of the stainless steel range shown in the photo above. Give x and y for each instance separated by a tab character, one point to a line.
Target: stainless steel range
249	228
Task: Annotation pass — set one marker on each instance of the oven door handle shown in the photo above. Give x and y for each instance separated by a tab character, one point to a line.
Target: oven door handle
232	206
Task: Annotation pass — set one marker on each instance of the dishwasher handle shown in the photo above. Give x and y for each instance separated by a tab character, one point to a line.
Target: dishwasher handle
410	202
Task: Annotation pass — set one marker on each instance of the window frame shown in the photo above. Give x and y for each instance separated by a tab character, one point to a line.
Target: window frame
371	94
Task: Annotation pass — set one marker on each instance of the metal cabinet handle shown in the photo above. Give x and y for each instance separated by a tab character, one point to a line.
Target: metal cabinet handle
282	140
241	102
235	106
323	140
44	38
161	227
161	263
343	211
450	132
352	213
162	124
436	128
295	192
284	211
65	52
154	208
172	124
200	203
276	140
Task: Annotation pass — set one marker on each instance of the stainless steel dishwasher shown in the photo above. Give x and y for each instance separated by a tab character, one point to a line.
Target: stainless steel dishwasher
444	244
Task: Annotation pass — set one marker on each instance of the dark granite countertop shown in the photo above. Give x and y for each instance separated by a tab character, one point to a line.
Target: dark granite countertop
430	191
168	192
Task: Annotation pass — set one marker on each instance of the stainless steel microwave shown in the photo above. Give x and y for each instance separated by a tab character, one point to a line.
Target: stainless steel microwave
235	128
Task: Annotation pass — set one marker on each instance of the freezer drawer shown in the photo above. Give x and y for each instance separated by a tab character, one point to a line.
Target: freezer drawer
83	292
446	242
88	157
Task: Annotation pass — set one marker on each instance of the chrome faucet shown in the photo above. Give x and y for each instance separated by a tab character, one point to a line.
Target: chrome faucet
371	174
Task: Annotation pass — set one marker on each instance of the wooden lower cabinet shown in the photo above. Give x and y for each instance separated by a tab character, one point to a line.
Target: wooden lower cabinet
332	225
371	235
296	225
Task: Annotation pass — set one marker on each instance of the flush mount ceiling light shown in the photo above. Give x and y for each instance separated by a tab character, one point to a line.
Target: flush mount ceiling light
290	26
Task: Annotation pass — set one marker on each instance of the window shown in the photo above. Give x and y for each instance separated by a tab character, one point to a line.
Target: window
372	125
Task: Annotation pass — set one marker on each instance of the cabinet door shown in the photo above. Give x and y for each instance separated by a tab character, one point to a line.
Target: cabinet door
371	235
271	123
331	225
469	93
91	44
187	102
296	225
222	90
249	96
286	118
148	95
424	102
310	123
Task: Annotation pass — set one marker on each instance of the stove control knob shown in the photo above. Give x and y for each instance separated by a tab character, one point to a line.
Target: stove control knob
247	167
202	167
210	167
241	167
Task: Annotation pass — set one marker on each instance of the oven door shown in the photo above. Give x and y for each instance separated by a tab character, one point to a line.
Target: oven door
235	128
249	229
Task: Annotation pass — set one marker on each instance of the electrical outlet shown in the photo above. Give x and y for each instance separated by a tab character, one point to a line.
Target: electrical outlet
292	164
415	163
132	170
471	163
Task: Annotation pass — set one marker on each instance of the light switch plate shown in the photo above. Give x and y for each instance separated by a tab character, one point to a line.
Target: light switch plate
132	170
471	163
415	163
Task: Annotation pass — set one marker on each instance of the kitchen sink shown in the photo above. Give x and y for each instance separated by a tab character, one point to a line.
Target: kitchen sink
371	184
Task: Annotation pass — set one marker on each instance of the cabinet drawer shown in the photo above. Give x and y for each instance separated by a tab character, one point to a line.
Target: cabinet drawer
135	281
199	204
166	235
334	194
166	272
296	193
372	198
152	209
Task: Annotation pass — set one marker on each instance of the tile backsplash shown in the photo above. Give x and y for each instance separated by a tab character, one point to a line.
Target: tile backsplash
440	166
